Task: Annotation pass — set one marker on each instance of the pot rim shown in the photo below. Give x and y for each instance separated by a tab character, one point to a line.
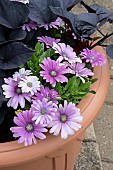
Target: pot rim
91	103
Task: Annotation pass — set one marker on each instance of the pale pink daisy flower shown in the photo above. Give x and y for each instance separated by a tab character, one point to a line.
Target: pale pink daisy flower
81	71
26	129
66	120
53	72
14	94
93	57
30	25
55	24
66	53
44	111
48	41
49	94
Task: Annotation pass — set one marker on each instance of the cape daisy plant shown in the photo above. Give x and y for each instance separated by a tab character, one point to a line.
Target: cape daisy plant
46	66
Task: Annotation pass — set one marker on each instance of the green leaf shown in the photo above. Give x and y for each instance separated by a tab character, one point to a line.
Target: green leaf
39	49
71	83
49	53
84	86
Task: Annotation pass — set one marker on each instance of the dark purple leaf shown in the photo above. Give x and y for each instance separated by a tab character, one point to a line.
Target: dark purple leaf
17	34
13	55
40	11
31	37
12	14
8	35
68	17
83	24
2	36
3	111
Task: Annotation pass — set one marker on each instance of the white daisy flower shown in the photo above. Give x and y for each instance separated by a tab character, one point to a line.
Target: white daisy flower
21	74
29	84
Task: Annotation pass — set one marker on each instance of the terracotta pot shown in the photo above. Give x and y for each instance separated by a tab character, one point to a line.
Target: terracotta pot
54	153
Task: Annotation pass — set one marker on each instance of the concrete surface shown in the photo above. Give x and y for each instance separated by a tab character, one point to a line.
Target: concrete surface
89	157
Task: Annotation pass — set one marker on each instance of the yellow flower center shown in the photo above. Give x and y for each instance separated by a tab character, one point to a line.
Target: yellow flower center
18	90
53	73
29	84
63	118
43	111
29	127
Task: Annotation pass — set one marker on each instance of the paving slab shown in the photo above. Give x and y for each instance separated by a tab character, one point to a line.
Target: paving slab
103	126
109	99
89	157
107	166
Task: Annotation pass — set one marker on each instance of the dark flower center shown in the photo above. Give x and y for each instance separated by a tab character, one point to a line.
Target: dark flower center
63	118
29	84
18	90
53	73
29	127
43	111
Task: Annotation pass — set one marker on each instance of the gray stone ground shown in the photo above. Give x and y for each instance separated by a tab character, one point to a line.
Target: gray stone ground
104	128
89	157
97	152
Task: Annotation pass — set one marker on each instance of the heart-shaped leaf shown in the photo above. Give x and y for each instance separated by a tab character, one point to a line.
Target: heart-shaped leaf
13	55
102	13
12	14
7	35
40	11
31	37
83	24
2	36
86	24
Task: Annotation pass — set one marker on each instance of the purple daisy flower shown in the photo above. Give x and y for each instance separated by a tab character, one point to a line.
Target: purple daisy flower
14	94
56	24
66	120
44	111
48	41
95	58
80	71
61	22
53	72
30	25
49	94
66	53
26	129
